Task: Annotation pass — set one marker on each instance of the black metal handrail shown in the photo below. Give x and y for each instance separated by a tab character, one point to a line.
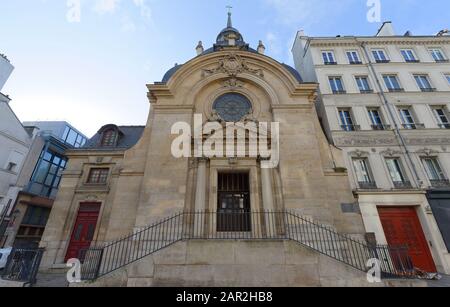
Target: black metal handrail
102	259
23	265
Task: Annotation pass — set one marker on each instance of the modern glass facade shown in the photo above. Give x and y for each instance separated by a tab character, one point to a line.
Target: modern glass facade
47	174
73	138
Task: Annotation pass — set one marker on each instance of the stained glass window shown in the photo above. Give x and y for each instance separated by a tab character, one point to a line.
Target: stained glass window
232	107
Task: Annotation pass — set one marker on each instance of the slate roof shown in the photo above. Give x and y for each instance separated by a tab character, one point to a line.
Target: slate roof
128	137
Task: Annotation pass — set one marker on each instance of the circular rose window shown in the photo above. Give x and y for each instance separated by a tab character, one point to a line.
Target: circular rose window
232	107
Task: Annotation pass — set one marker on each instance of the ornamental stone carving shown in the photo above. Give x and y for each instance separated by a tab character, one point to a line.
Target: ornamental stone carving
232	65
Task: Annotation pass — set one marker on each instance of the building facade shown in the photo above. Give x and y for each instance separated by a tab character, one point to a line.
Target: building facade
384	100
128	181
33	192
15	142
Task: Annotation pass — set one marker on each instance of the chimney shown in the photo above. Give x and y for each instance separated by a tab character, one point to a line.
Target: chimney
386	29
261	48
199	48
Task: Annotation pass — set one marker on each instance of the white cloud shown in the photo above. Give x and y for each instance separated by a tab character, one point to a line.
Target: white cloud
106	6
146	11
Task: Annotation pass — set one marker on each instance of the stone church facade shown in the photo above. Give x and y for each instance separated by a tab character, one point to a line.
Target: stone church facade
126	178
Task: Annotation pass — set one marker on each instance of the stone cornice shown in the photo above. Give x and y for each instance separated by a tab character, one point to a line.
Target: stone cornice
394	40
387	138
95	153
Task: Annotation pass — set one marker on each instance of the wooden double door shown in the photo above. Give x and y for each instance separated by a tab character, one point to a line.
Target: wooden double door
84	230
402	227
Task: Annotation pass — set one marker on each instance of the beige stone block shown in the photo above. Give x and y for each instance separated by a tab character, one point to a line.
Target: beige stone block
259	252
302	275
175	254
297	254
142	268
140	282
210	252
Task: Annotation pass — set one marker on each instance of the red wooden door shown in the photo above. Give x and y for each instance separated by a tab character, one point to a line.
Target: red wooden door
84	229
402	227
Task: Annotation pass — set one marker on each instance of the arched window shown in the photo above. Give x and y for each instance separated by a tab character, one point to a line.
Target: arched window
109	138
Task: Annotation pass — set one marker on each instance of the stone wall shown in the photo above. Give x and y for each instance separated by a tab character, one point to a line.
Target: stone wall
238	264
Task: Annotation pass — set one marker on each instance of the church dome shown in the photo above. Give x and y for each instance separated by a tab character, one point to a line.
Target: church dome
230	34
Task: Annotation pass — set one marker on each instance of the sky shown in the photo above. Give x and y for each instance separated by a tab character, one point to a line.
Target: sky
90	69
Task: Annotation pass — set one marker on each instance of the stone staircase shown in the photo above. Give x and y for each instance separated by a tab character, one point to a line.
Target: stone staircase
106	258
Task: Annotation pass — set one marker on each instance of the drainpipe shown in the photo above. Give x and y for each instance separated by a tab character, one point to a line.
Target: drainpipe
389	107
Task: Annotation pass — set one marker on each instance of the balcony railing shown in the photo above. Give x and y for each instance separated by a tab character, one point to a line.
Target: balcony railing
339	92
381	127
442	61
383	61
330	63
412	61
370	91
396	90
428	89
351	127
355	62
367	185
413	126
444	126
440	183
402	185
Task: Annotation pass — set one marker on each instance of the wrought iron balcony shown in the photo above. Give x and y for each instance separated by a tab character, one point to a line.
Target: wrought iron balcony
370	91
355	62
383	61
441	183
444	126
339	92
381	127
413	126
351	127
396	90
367	185
403	185
412	61
442	61
428	89
330	63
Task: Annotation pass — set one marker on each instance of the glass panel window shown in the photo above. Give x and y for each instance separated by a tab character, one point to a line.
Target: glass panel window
363	83
441	116
433	169
49	167
375	117
395	169
423	82
408	55
391	82
448	78
353	57
98	176
109	138
407	118
336	84
346	120
379	55
437	55
72	137
362	170
328	57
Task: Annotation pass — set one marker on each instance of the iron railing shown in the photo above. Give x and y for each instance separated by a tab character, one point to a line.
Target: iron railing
23	265
102	259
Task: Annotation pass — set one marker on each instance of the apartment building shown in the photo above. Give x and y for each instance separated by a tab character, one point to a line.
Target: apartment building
385	101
